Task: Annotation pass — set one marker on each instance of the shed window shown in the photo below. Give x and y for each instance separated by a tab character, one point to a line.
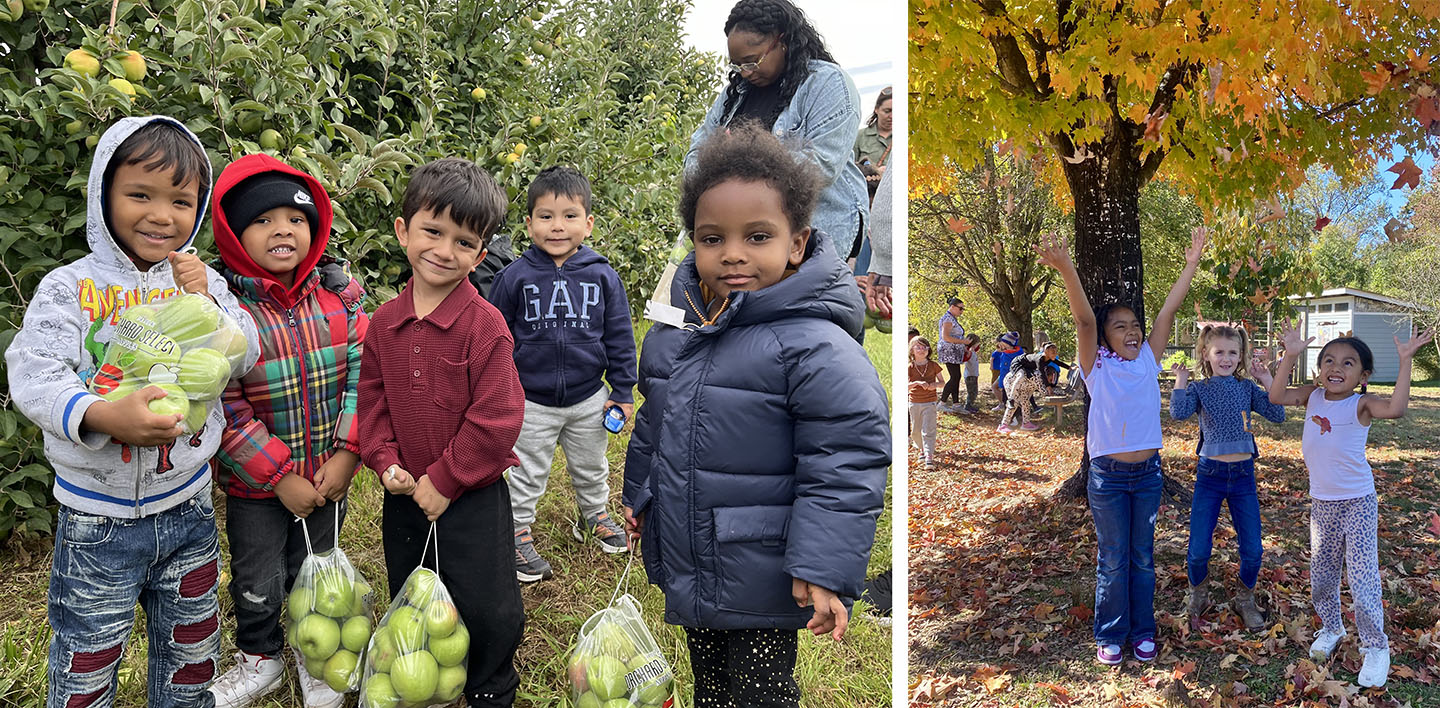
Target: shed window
1342	307
1325	308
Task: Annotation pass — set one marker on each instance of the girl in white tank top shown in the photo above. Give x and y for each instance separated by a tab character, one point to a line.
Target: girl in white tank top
1344	513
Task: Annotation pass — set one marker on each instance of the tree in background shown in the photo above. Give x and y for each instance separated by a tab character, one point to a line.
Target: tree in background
355	93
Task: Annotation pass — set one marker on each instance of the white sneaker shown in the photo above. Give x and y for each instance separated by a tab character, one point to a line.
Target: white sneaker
1324	643
316	692
1375	669
253	676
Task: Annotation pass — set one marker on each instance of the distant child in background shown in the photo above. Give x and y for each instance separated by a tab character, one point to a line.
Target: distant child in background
1026	377
758	464
1122	368
1226	471
1344	512
291	442
1007	347
926	377
567	310
972	372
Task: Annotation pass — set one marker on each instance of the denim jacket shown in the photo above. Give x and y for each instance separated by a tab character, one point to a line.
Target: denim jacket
821	123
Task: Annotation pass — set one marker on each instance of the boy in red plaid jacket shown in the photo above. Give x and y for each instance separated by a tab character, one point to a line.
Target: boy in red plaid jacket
290	445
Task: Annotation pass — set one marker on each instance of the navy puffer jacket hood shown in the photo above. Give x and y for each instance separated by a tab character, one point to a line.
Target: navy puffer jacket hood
761	450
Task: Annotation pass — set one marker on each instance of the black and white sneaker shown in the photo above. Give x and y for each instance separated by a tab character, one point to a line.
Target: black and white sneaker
603	529
529	566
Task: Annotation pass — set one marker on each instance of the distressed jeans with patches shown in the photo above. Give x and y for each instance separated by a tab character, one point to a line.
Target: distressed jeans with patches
169	563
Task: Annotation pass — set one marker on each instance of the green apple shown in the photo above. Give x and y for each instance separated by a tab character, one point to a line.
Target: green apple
449	683
189	319
91	141
869	320
174	402
407	626
383	650
123	86
199	413
477	94
450	649
134	65
126	387
80	61
333	593
415	676
203	373
883	325
606	676
588	700
440	619
356	633
340	670
229	341
74	127
656	693
420	587
319	637
379	693
613	641
292	637
316	668
302	602
270	139
36	5
618	703
357	602
11	11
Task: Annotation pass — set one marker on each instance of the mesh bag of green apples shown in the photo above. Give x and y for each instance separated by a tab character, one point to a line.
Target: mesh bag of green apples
330	610
418	654
185	344
616	663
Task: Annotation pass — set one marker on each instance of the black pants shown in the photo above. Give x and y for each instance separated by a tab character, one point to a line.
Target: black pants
477	564
972	387
741	668
267	546
954	373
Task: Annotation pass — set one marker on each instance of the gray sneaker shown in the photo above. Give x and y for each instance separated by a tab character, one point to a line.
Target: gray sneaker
603	529
529	566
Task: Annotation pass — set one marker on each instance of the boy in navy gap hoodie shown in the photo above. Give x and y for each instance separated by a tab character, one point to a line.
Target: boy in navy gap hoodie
570	319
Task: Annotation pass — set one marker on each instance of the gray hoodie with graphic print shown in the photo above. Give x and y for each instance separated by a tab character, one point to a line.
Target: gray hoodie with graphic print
49	365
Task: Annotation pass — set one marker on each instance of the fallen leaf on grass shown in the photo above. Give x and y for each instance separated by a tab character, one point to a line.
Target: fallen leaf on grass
1434	526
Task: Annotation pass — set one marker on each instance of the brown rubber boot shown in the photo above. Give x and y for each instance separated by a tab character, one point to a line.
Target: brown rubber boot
1249	611
1199	599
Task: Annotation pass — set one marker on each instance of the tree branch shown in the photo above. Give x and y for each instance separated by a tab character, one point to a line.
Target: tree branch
1008	57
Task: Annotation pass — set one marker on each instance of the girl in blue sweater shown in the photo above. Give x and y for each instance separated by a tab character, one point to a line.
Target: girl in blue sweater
1226	471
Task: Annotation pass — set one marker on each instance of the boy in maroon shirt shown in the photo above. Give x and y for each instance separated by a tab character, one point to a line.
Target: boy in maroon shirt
440	409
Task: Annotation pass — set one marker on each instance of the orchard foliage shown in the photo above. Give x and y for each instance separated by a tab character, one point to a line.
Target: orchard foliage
356	92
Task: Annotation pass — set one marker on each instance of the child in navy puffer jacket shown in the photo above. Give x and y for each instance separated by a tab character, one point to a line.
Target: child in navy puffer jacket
758	465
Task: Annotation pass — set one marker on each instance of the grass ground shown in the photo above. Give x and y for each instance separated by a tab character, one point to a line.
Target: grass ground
1002	577
555	609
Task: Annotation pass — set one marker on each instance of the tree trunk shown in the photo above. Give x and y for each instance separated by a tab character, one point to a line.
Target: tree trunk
1016	314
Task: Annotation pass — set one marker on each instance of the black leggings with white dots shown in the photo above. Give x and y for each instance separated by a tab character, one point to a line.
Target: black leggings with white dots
741	668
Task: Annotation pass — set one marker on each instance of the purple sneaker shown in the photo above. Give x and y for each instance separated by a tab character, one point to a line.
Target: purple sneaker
1109	654
1145	650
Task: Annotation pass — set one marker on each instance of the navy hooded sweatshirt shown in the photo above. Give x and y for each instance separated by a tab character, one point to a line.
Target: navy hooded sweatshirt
571	326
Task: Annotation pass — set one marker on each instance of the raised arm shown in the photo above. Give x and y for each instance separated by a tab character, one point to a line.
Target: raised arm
1295	345
1395	405
1054	251
1165	319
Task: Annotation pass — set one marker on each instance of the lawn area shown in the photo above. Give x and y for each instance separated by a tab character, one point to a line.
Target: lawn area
1002	577
555	609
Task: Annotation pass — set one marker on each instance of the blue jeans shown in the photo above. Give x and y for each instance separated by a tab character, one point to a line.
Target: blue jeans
1124	499
1234	484
168	562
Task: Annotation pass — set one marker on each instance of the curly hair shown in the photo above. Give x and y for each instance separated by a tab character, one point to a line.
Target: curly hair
747	153
802	44
1214	332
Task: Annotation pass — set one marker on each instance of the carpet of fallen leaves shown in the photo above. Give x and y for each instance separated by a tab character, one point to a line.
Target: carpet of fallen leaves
1002	577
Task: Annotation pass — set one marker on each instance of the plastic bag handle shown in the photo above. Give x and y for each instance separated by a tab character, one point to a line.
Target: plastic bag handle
432	534
309	550
624	574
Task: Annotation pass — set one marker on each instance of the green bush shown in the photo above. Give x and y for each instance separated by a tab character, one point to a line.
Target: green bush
356	93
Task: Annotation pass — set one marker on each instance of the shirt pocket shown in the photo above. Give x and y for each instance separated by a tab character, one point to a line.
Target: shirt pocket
450	389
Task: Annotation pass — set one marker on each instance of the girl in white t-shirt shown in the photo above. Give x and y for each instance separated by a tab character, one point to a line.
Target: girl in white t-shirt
1343	509
1121	367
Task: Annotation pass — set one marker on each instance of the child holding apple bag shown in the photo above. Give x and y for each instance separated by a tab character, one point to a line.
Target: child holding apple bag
289	447
136	523
440	410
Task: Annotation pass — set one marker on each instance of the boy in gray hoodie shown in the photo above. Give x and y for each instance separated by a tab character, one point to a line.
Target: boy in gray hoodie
136	521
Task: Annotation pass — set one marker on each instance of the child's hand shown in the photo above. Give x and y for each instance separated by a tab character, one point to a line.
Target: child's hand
1054	251
332	480
627	408
633	524
1293	338
1261	372
297	494
830	616
131	421
429	499
1408	349
189	273
398	480
1181	372
1197	245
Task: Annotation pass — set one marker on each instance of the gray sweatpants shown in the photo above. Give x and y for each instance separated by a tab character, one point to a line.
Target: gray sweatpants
581	433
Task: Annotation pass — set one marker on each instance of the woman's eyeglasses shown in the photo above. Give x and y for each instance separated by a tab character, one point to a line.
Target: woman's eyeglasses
750	67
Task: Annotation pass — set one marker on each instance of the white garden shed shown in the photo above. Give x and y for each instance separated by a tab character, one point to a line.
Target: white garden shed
1374	318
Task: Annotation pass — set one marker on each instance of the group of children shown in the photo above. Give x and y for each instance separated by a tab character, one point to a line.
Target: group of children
1120	365
446	396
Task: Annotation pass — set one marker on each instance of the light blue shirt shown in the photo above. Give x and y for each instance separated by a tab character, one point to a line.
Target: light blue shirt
820	123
